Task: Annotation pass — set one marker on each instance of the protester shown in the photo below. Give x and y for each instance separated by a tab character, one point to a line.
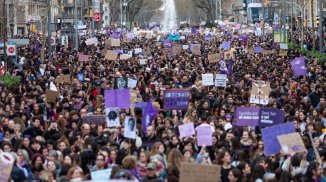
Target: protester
57	122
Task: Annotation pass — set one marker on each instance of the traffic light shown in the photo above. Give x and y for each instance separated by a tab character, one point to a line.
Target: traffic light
59	24
317	21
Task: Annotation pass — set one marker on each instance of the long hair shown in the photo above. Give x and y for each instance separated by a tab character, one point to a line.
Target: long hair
175	158
155	148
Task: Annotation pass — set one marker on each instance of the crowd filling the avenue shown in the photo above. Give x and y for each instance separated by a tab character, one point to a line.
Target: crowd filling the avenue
230	103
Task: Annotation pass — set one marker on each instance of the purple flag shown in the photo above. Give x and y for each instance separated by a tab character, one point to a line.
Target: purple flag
243	38
167	44
226	45
36	49
148	116
117	98
229	65
193	30
247	116
269	135
208	37
298	66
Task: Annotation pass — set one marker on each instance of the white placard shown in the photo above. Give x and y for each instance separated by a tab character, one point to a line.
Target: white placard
138	50
132	83
185	46
91	41
220	80
112	117
207	79
130	127
284	46
143	61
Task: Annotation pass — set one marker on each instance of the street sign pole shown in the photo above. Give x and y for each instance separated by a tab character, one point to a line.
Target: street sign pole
5	35
49	29
320	5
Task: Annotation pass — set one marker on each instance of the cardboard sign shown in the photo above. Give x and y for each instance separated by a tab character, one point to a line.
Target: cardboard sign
195	49
115	42
176	99
283	53
228	55
91	41
166	51
94	119
63	79
251	50
269	136
207	79
213	58
125	56
260	92
291	143
267	52
191	172
176	49
51	96
111	55
107	42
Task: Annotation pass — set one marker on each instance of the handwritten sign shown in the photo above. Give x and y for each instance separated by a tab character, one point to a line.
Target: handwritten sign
283	53
195	49
213	58
51	96
220	80
176	99
291	143
260	92
63	79
190	172
186	130
115	42
111	55
207	79
101	175
176	49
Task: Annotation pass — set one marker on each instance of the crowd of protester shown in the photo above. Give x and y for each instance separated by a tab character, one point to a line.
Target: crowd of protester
49	141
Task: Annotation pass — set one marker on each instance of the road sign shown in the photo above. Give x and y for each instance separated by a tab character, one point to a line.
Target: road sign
52	41
97	17
11	50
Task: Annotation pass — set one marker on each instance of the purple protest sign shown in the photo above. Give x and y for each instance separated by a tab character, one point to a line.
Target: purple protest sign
247	116
269	135
119	51
204	135
193	30
149	114
258	50
207	37
186	130
226	45
298	66
270	117
117	98
176	99
167	44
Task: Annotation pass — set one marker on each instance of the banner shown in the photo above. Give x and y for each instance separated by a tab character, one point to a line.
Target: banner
260	92
117	98
270	117
298	66
269	136
176	99
247	116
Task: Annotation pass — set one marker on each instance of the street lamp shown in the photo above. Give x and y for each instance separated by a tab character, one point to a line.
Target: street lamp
12	29
28	26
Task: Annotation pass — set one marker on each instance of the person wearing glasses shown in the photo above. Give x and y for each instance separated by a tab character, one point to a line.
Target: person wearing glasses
99	163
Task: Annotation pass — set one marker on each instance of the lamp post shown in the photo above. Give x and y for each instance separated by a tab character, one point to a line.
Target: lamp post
12	29
28	26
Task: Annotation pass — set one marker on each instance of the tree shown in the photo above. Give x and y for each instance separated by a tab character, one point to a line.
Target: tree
133	9
114	7
208	6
